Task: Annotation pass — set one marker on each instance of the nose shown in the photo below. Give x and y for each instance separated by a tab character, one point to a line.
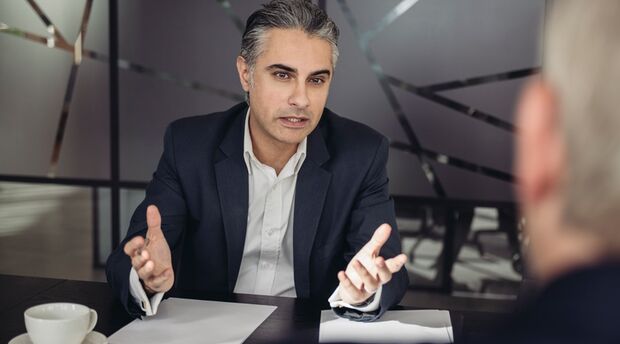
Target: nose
299	97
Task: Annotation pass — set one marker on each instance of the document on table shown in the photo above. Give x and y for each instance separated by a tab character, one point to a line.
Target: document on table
416	326
195	321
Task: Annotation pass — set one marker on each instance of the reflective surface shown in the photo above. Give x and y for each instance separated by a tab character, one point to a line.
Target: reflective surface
439	78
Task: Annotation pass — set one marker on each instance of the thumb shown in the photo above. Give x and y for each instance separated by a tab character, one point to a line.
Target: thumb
153	219
394	264
381	235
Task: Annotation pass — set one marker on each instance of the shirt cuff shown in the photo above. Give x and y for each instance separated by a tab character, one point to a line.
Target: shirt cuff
149	306
336	301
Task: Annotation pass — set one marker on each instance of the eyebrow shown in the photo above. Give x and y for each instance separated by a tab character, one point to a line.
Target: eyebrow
294	70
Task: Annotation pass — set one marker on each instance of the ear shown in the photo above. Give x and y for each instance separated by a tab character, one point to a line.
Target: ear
540	156
244	73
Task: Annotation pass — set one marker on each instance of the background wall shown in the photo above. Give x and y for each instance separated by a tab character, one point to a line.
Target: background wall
439	78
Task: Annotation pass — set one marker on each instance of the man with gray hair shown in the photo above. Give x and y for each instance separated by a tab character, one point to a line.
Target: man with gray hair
568	167
275	196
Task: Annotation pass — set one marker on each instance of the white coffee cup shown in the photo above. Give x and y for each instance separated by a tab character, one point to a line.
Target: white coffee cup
59	323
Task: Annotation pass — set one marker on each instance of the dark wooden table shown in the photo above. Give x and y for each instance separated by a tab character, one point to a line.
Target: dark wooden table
294	321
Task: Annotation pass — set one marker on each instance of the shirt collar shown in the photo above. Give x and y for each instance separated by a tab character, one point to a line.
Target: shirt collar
248	150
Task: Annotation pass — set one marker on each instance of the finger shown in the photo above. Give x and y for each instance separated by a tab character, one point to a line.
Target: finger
394	264
370	283
138	260
133	245
146	271
153	218
383	272
381	235
348	287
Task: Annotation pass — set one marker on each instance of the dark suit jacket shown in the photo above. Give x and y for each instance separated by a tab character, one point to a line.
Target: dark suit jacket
201	189
579	307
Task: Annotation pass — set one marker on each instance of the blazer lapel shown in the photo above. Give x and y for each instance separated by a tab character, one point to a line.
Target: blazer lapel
310	192
232	184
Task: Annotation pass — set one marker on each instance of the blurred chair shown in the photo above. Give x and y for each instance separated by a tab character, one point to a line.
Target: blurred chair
508	223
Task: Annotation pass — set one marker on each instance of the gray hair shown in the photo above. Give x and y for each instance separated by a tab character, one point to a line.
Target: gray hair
287	14
582	64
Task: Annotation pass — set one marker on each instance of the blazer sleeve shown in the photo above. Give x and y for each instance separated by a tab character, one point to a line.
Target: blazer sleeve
164	191
372	208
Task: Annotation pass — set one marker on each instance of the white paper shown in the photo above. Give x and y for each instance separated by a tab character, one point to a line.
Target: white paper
416	326
195	321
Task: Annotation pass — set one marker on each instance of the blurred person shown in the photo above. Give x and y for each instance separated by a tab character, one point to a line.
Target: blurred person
568	168
274	196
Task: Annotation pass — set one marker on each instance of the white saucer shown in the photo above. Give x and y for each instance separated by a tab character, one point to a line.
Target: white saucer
92	338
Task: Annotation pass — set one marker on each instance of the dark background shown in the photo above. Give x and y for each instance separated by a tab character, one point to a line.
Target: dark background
439	78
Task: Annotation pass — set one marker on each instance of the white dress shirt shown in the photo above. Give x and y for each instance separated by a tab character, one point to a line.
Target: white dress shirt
267	264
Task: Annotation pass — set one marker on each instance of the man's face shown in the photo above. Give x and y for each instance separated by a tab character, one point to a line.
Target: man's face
290	86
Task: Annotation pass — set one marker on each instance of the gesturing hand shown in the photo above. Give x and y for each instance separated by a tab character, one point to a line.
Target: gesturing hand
367	271
151	258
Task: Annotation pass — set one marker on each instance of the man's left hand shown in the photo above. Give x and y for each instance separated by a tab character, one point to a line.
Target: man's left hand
367	271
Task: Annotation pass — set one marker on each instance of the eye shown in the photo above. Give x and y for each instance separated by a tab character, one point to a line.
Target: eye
317	81
281	75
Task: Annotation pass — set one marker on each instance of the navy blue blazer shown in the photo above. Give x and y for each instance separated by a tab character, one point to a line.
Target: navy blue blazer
201	189
580	306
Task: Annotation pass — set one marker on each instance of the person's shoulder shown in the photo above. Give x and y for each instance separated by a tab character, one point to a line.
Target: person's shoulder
191	133
342	131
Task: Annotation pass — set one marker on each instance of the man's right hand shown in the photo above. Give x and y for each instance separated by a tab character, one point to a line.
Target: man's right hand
151	258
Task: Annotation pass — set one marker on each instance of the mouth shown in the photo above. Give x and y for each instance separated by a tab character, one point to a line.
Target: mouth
293	122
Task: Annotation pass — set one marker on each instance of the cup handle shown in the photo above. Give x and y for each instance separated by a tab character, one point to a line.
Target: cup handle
93	320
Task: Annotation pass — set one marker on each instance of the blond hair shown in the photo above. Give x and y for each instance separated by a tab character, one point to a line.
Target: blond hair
582	63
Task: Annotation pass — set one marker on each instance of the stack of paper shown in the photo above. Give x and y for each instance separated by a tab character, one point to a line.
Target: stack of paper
195	321
419	326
